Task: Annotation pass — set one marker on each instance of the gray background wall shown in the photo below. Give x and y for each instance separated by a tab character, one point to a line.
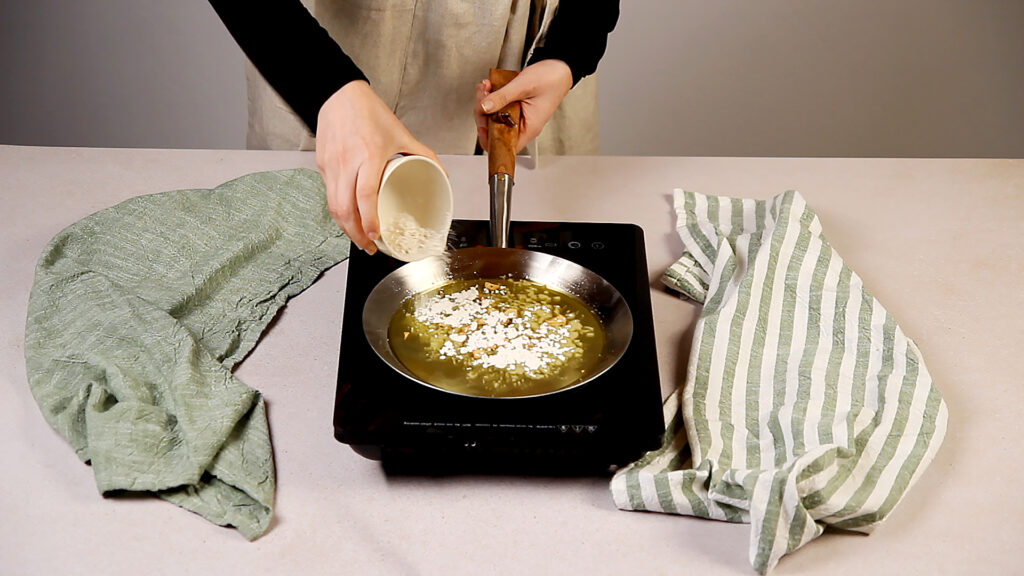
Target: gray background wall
915	78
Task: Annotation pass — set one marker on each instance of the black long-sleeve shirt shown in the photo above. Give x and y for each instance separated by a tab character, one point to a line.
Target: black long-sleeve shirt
306	66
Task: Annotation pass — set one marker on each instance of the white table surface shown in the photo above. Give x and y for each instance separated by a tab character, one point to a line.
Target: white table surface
938	242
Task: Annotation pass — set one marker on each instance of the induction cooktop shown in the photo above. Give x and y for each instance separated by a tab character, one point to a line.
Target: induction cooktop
587	429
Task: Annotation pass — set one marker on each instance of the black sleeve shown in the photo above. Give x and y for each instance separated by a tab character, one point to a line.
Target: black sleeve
291	50
578	35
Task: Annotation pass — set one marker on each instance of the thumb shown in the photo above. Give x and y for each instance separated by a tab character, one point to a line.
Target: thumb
498	99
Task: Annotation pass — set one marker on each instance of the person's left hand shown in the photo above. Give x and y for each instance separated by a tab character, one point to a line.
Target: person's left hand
539	88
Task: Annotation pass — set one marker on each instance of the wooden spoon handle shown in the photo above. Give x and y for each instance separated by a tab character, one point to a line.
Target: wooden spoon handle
502	129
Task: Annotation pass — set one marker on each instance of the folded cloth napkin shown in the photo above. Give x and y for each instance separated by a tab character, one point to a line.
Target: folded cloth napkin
138	314
804	404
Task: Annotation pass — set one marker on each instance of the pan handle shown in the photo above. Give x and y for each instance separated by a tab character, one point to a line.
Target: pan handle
503	138
503	129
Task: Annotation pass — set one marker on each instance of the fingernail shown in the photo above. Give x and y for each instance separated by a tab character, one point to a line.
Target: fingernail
487	105
371	249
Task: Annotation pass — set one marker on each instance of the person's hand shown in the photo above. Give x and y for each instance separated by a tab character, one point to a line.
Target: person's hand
539	88
356	136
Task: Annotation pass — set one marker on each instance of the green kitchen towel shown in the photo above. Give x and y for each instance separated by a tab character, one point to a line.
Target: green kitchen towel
804	404
138	314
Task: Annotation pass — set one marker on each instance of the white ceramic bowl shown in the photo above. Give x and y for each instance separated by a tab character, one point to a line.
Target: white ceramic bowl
414	206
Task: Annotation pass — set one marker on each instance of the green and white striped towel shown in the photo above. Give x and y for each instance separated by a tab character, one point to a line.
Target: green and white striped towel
138	314
805	405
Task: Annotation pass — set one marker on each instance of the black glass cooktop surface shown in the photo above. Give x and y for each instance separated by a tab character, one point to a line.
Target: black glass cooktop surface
609	421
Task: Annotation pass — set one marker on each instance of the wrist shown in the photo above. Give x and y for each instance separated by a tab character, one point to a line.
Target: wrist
557	71
351	91
563	72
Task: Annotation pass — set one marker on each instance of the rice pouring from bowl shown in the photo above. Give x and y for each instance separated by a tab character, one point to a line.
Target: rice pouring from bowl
414	205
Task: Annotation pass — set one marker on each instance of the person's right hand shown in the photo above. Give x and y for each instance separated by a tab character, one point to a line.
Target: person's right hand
356	136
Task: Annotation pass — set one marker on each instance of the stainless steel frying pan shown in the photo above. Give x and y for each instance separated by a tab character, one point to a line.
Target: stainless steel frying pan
484	263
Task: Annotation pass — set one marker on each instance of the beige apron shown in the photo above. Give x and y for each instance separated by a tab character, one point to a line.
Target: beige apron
424	59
